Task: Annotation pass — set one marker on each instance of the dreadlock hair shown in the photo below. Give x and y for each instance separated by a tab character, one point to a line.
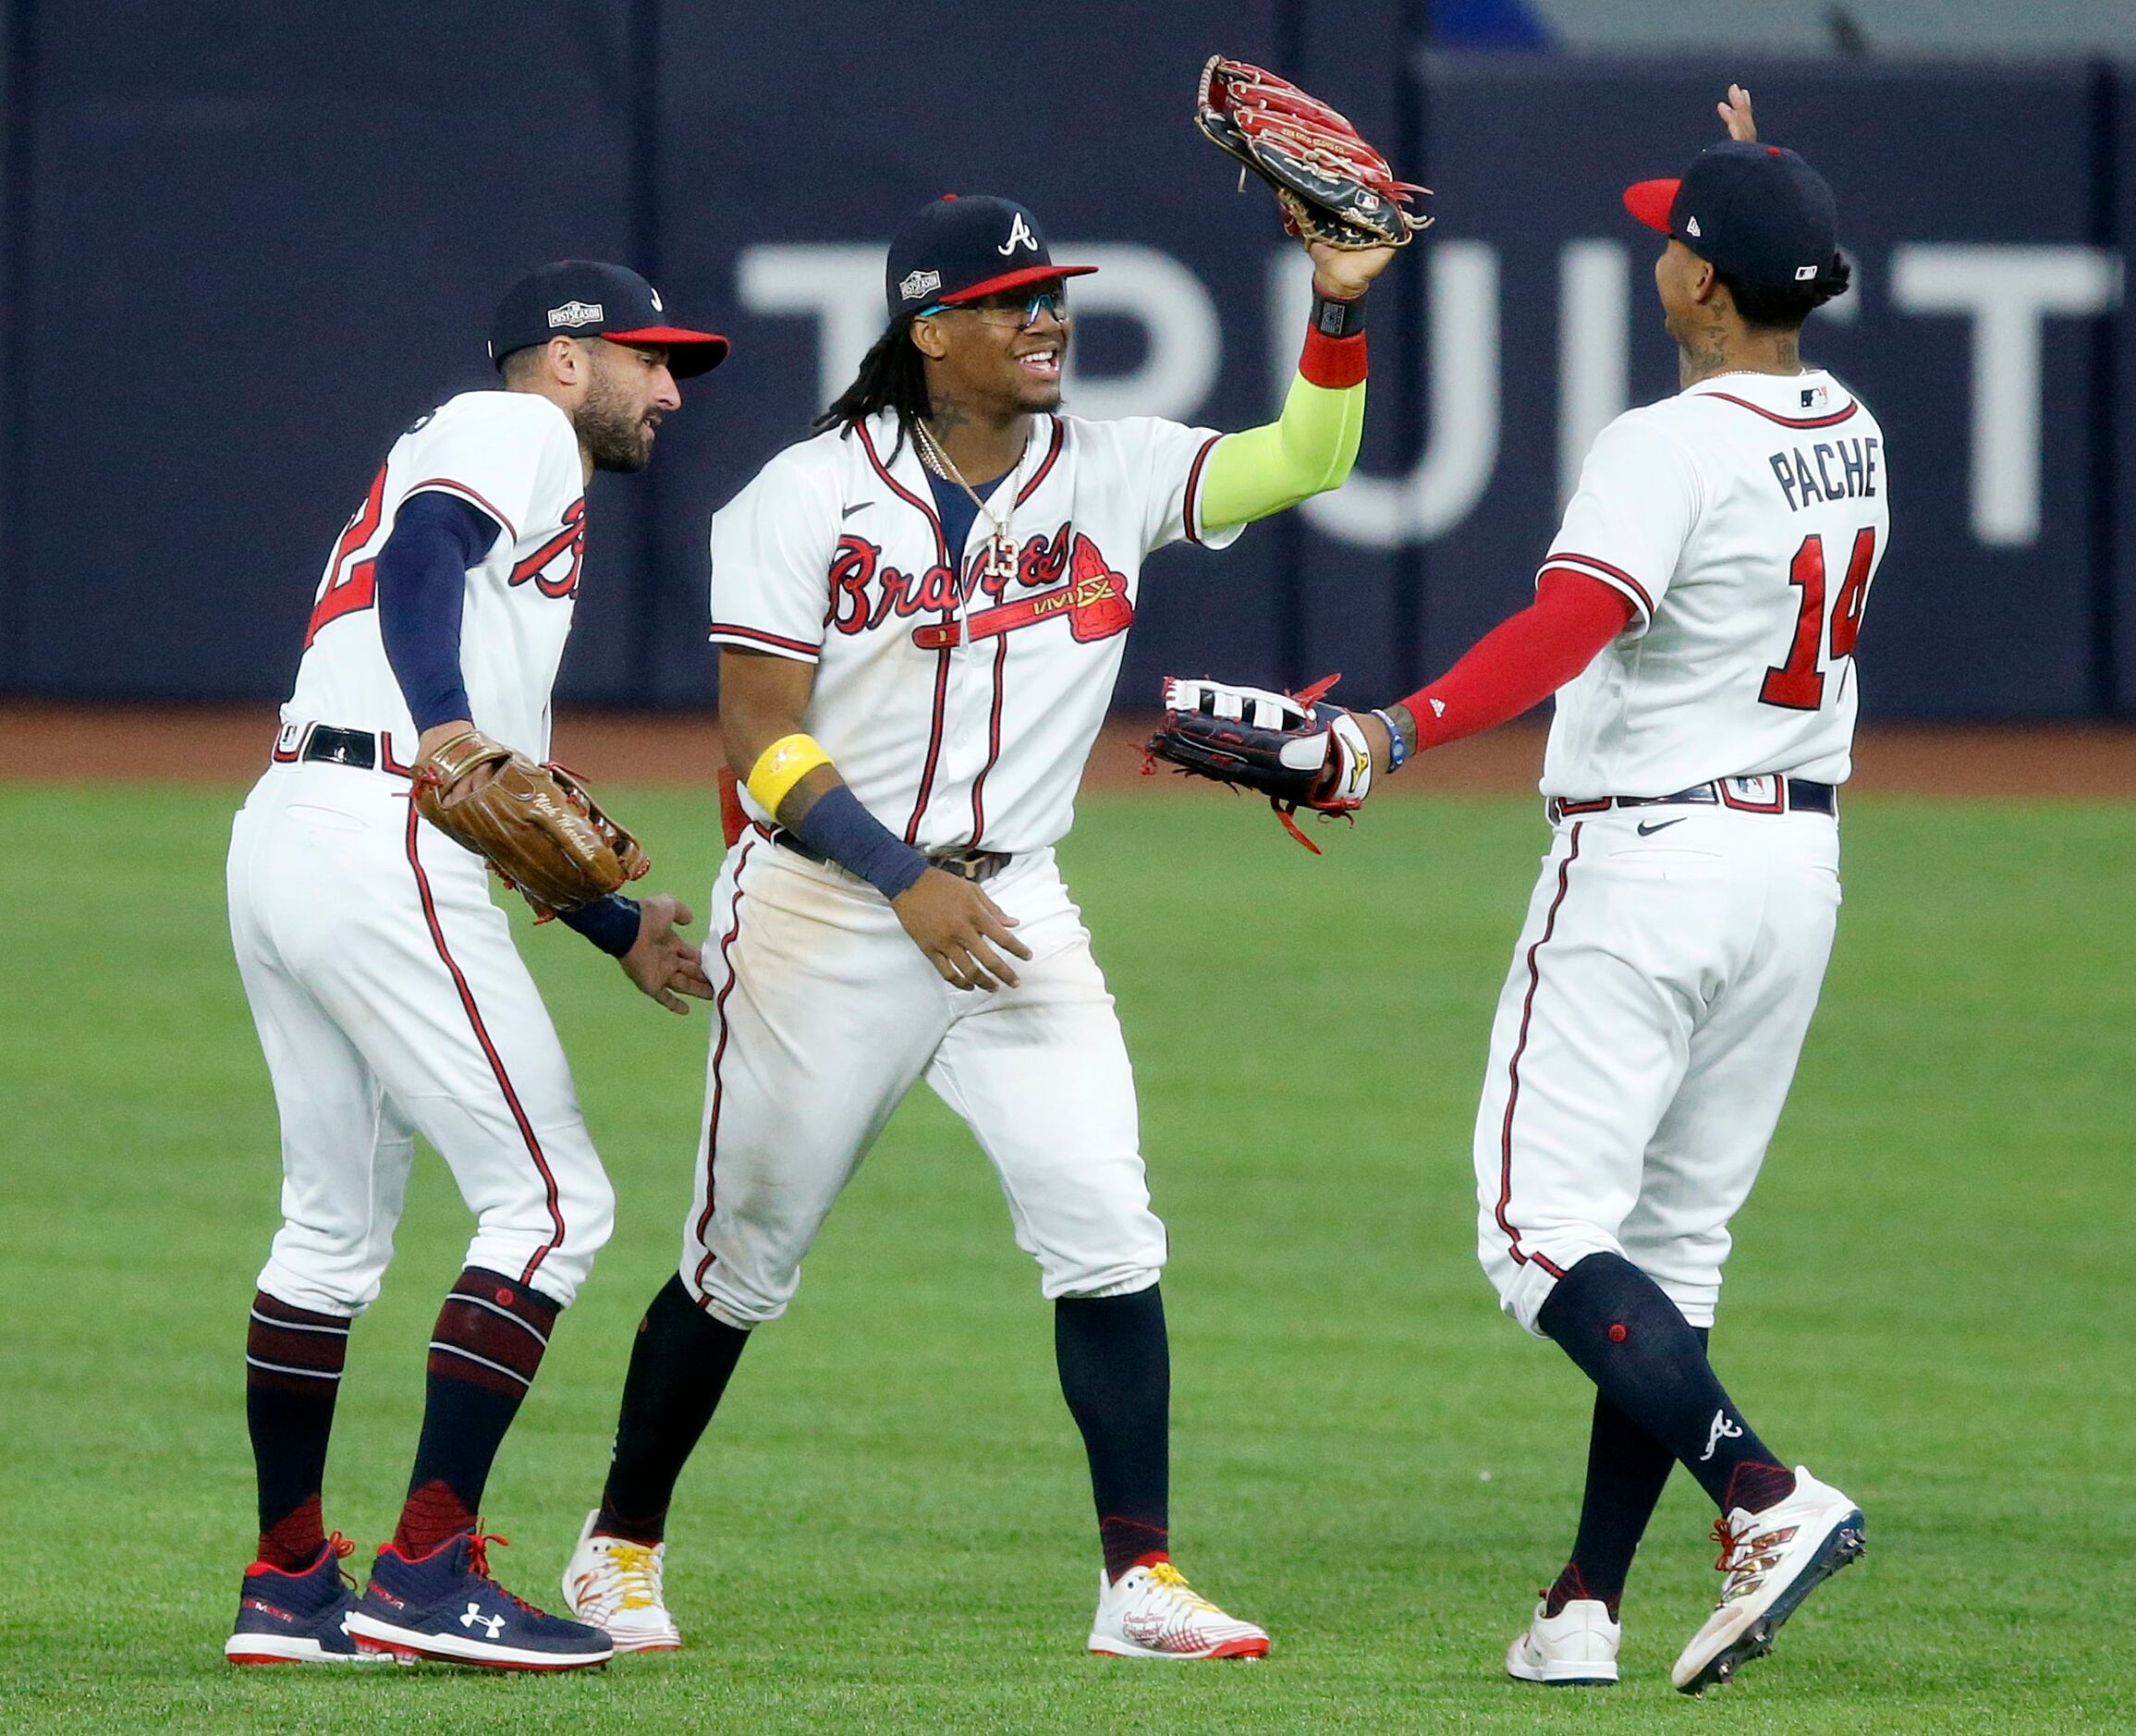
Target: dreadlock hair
893	376
1785	309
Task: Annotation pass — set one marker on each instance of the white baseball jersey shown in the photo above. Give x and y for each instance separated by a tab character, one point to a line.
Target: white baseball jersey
514	456
1744	519
959	708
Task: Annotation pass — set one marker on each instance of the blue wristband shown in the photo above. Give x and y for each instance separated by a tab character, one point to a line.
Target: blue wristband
611	923
1398	750
836	825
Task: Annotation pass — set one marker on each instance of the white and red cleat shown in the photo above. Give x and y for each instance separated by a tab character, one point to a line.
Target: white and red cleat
1773	1559
614	1584
1152	1612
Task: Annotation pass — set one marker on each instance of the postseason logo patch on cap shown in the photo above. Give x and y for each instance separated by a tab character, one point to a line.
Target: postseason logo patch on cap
920	283
576	314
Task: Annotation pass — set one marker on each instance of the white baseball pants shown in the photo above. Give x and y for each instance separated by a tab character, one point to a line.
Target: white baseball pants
826	1014
1644	1043
391	1002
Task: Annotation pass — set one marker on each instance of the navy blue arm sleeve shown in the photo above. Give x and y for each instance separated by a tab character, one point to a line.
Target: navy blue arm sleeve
422	585
611	923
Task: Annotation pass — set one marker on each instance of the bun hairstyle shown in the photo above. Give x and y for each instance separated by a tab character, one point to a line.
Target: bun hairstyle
1786	308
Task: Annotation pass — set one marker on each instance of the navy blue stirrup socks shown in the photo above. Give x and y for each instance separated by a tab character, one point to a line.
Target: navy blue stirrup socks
1116	1372
1628	1339
679	1367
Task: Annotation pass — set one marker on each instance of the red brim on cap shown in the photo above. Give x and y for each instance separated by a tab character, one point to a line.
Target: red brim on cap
1650	200
689	353
1016	280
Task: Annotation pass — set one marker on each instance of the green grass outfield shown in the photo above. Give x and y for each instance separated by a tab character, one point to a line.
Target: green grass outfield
889	1526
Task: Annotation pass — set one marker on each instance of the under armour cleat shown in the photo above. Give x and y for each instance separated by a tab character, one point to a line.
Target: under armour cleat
1152	1612
300	1617
1773	1559
445	1606
1576	1646
614	1584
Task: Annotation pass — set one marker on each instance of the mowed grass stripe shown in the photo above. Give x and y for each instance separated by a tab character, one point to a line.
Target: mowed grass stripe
889	1526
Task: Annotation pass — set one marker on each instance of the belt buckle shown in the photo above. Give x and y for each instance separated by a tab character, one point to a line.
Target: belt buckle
970	865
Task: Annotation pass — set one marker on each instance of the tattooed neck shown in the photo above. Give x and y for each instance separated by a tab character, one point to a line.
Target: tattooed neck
1718	349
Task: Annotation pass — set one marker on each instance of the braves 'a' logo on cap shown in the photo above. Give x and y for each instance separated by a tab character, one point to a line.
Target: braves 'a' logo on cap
920	283
576	313
658	305
1019	235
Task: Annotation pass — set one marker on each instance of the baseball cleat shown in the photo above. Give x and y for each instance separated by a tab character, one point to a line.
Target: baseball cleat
301	1617
1576	1646
445	1606
614	1584
1152	1612
1773	1559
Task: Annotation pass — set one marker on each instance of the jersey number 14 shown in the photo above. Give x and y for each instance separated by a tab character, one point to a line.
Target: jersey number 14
1798	684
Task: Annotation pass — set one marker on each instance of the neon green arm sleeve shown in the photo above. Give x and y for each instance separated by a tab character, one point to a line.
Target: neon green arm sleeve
1307	451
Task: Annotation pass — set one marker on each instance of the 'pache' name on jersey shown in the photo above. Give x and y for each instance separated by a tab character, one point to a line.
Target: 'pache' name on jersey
1807	478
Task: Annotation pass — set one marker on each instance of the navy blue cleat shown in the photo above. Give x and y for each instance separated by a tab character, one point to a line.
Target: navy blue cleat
445	1605
285	1618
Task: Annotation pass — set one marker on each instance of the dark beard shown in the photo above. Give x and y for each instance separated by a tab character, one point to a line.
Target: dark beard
615	438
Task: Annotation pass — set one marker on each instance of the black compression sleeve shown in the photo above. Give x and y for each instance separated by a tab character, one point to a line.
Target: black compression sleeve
421	584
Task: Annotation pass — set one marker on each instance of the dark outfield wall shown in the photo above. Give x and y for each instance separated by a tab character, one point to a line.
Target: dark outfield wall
239	253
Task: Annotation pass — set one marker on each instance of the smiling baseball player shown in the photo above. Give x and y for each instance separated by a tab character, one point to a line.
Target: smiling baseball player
389	998
921	614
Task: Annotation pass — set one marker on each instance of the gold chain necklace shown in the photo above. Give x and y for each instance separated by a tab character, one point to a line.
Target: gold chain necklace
1000	566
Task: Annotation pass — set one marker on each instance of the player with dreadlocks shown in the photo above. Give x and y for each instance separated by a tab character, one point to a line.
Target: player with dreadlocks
921	613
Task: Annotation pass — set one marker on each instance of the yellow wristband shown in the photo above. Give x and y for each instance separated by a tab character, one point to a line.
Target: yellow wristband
782	765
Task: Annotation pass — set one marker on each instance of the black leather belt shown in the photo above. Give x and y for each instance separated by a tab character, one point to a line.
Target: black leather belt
974	865
328	745
1766	794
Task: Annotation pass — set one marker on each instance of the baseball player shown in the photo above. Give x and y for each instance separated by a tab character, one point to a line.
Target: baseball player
389	998
1696	616
921	614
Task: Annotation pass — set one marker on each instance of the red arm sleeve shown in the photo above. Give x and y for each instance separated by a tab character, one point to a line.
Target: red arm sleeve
1523	660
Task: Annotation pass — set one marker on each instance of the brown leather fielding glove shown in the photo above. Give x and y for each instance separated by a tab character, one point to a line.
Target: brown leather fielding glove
1332	185
534	824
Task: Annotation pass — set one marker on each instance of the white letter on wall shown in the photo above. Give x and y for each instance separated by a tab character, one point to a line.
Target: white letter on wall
839	283
2009	292
1450	475
1593	350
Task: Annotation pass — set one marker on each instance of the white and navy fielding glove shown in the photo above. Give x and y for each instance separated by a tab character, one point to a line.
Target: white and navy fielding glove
1291	748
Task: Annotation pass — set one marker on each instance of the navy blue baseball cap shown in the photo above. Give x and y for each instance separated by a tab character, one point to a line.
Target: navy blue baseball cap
1754	210
582	298
957	250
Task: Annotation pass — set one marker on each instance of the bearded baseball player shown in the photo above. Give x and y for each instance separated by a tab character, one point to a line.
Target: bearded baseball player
921	614
1696	616
389	997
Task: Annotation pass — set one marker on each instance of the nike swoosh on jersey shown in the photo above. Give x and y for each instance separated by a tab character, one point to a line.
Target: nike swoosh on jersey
1647	828
859	505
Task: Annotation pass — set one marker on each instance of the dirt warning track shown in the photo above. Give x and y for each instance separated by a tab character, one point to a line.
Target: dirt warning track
228	744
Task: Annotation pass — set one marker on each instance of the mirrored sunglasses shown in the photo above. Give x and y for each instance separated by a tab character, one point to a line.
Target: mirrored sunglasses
1052	299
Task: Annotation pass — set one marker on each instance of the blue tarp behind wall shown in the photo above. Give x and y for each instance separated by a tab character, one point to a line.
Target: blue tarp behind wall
241	253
